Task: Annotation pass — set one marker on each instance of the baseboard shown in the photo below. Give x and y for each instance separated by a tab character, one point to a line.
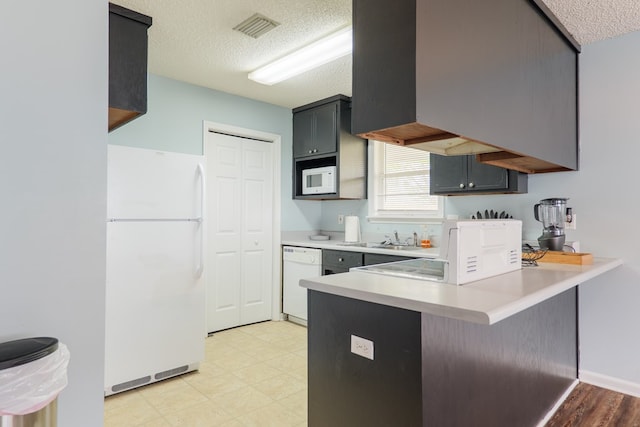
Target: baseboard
297	320
610	383
559	402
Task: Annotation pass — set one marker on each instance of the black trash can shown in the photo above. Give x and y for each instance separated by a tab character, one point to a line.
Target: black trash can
29	384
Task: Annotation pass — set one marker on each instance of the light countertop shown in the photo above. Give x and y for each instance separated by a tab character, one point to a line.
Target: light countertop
485	301
337	244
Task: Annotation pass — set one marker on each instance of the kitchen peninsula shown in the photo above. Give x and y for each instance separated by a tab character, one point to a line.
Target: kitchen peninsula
500	351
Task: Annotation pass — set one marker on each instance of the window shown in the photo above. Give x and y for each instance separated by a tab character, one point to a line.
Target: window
399	184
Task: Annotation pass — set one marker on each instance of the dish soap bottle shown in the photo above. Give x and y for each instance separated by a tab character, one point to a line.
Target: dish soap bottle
424	241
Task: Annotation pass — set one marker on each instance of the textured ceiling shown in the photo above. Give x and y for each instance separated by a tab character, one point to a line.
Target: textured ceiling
193	40
592	20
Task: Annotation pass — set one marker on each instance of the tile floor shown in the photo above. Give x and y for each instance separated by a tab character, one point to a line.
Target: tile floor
254	375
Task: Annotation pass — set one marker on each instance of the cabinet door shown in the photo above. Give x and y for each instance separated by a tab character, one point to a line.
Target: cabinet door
483	177
303	133
448	174
465	175
315	131
340	260
326	129
345	259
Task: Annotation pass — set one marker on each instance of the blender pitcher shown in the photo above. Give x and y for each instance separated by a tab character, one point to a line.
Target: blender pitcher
552	214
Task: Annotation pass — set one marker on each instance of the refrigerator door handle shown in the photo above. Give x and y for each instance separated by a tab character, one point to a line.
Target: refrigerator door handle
200	265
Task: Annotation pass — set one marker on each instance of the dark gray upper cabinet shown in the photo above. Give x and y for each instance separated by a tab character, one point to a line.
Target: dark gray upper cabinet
494	77
127	65
322	137
315	129
457	175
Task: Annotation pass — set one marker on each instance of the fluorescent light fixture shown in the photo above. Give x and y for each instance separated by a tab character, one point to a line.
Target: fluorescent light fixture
318	53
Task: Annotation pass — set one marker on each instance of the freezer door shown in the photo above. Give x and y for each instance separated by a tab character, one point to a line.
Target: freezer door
145	183
155	303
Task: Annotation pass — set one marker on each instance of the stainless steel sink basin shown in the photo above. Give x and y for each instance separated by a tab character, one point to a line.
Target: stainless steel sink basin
375	245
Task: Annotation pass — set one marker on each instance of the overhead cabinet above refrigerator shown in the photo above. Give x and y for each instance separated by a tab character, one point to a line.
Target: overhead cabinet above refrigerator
127	65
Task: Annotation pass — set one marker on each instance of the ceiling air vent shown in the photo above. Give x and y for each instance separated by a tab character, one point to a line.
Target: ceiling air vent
256	25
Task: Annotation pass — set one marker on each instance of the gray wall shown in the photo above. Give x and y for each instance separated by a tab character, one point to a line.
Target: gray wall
610	126
53	131
174	121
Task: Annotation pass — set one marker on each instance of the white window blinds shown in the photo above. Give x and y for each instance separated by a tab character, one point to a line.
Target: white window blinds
401	182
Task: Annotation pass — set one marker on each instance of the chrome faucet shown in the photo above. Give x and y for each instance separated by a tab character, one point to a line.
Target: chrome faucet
395	240
388	240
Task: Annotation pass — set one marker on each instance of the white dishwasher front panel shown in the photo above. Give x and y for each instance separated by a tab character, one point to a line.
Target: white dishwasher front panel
298	263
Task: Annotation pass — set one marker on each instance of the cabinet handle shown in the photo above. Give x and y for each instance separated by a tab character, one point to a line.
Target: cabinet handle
461	185
315	150
340	259
471	185
310	151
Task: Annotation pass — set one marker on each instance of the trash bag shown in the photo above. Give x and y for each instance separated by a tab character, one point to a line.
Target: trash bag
27	388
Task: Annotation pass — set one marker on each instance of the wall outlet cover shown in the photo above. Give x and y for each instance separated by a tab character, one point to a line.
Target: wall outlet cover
362	347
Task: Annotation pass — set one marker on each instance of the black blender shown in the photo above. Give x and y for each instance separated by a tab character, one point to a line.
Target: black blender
552	213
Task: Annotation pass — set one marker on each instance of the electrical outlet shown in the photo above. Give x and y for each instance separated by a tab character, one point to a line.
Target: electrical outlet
571	225
340	219
362	347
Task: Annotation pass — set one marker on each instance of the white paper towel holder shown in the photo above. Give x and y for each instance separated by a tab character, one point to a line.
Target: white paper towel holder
352	229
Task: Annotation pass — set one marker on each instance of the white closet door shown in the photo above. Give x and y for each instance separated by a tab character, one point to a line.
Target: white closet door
257	215
240	212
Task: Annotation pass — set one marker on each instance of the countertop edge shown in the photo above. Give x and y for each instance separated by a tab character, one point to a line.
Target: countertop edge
398	302
552	290
460	308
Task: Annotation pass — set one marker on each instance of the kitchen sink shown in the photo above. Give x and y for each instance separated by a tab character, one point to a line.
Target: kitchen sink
375	245
395	247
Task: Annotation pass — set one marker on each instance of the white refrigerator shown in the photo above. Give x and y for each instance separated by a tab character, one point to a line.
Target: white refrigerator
155	297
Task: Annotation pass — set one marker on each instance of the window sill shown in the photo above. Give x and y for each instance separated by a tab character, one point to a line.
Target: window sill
405	219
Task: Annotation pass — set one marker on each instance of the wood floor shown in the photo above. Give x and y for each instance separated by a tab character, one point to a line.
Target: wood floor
588	406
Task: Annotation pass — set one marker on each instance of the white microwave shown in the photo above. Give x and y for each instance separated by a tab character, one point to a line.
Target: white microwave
319	180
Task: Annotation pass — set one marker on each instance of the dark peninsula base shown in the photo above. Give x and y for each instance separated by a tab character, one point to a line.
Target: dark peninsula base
435	371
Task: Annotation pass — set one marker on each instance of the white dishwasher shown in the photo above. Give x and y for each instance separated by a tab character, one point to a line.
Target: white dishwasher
298	263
